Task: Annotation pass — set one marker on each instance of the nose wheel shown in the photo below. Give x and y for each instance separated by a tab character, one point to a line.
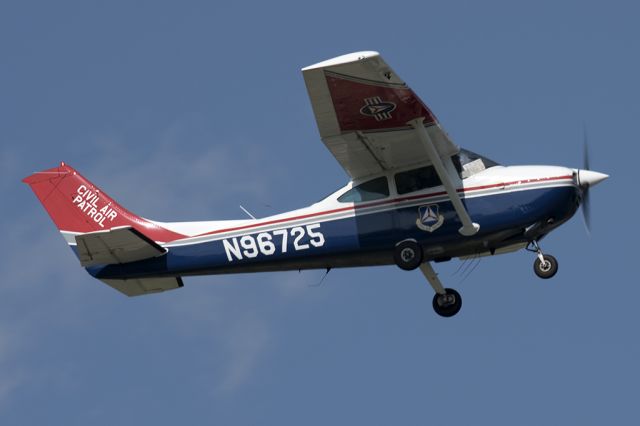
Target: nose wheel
545	266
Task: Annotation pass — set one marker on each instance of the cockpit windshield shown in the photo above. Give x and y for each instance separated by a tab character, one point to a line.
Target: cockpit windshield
468	163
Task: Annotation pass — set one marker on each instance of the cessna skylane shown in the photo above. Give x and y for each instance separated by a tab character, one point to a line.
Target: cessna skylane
414	198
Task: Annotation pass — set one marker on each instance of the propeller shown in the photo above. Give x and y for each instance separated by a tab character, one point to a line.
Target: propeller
586	202
587	179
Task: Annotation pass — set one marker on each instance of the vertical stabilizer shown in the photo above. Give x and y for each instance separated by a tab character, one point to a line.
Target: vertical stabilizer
77	206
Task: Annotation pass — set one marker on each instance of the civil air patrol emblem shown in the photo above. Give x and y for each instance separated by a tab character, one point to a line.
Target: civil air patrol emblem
377	108
429	217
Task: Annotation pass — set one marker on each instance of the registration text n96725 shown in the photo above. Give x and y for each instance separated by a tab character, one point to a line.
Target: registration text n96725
268	243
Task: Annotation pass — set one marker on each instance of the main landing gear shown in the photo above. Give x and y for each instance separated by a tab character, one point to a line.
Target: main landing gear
408	256
446	302
545	265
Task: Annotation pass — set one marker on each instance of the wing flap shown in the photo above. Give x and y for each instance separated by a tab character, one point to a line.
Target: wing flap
141	286
115	246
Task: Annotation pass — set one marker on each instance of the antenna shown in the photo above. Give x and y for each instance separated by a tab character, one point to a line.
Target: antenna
322	280
247	212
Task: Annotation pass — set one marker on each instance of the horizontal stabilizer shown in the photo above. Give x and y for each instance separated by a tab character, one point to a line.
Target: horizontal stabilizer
115	246
140	286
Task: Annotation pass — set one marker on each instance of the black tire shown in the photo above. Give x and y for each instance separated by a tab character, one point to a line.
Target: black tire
447	308
547	269
408	255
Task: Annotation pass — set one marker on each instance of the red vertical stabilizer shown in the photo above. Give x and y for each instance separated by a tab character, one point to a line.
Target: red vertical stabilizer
78	206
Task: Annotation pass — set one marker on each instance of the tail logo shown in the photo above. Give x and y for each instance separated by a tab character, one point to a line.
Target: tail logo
377	108
88	202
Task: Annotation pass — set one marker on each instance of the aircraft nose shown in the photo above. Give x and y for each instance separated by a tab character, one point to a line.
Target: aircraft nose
590	178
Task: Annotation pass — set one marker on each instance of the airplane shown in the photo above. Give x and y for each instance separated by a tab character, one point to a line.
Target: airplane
414	198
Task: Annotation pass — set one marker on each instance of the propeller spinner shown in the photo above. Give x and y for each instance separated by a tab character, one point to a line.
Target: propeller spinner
587	178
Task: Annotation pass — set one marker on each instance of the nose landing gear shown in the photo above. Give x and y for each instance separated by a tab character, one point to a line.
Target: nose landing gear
545	266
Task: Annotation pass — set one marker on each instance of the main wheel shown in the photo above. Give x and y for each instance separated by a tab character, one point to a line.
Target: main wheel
408	255
546	269
447	305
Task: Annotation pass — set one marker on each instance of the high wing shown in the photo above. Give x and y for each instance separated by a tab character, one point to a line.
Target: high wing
371	121
363	109
117	245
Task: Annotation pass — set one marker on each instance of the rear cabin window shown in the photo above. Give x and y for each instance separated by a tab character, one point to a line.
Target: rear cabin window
417	179
375	189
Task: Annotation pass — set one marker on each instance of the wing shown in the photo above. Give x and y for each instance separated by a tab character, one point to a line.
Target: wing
363	110
117	245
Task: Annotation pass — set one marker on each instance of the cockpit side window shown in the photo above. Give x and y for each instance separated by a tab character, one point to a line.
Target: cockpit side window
375	189
416	179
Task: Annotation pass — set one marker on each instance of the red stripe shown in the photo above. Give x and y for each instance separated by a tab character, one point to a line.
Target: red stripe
379	203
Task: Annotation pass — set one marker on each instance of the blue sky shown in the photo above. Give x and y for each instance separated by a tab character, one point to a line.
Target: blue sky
184	110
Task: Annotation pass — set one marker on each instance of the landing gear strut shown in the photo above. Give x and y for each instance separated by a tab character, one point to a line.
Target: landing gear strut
545	265
446	302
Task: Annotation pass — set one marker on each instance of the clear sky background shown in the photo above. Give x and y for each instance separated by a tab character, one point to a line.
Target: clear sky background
184	110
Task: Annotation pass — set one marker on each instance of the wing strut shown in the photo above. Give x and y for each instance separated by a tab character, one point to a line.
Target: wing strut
468	227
